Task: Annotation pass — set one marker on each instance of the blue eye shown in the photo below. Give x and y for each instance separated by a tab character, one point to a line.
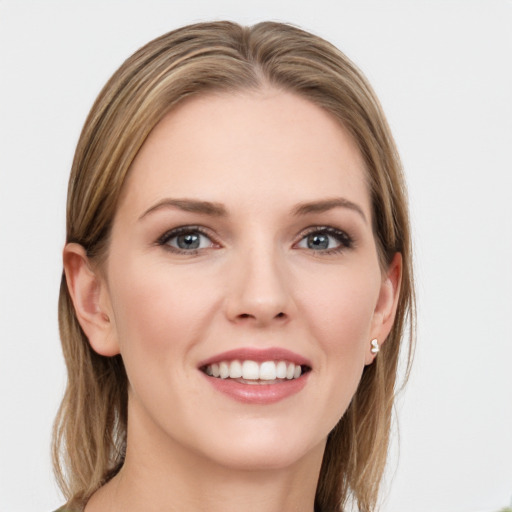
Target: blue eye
186	239
325	240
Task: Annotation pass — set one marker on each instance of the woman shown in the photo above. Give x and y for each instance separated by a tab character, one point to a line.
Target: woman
237	280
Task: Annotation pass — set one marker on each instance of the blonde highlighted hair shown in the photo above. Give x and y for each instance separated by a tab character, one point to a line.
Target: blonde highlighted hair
90	429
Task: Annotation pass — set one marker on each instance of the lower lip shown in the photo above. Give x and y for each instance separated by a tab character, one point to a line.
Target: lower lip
258	393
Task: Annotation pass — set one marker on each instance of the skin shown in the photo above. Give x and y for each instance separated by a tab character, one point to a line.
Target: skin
254	282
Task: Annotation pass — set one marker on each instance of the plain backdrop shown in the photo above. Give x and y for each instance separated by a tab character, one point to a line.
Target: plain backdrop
443	71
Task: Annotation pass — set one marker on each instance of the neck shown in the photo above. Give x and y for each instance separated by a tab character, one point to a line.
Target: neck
164	476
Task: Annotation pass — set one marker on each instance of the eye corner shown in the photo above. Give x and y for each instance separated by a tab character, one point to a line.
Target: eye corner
324	240
189	240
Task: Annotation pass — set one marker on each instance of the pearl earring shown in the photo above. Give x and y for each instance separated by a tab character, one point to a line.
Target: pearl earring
375	346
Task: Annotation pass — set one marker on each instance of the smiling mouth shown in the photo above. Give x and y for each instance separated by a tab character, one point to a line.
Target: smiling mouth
252	372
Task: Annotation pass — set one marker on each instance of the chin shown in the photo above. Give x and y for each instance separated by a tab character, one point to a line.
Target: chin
265	446
266	457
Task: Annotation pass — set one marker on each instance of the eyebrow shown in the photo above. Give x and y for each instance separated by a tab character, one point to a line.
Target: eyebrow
326	205
218	210
188	205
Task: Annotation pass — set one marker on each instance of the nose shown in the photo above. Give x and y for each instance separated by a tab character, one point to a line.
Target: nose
258	291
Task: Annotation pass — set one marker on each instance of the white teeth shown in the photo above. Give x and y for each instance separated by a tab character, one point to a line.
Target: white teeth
235	370
281	370
250	370
253	371
224	370
268	370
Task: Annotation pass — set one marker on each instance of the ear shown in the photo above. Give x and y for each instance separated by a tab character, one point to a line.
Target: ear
385	310
91	299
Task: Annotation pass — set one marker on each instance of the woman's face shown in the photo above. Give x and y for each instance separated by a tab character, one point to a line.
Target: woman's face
243	245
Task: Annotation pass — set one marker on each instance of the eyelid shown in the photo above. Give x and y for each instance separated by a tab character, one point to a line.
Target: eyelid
346	241
180	230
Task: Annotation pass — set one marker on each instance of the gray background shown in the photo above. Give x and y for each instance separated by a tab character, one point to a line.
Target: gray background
442	70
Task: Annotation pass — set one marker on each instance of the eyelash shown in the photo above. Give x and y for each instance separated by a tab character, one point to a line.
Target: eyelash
184	230
345	241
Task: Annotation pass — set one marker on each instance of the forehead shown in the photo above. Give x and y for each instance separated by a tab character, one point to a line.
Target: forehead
234	147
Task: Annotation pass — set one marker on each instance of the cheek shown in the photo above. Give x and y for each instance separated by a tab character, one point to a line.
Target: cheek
161	317
340	311
158	312
339	318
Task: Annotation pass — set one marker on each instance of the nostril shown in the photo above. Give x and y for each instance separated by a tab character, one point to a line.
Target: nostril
261	316
248	315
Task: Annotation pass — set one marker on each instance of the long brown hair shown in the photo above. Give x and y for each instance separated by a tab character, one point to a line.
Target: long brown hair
90	428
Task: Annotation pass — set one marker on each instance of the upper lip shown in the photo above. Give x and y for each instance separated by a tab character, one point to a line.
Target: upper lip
257	355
